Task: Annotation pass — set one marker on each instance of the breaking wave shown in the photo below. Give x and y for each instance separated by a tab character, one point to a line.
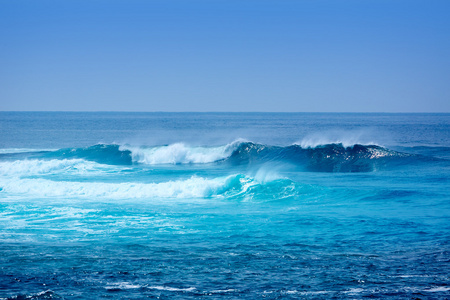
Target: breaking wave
180	153
233	186
321	158
324	158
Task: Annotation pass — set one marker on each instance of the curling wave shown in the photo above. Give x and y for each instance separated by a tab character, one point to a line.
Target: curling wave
322	158
234	186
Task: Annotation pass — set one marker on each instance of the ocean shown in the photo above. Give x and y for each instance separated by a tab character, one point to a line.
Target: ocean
107	205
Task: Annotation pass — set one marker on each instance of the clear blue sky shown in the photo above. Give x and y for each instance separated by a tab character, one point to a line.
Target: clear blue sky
225	55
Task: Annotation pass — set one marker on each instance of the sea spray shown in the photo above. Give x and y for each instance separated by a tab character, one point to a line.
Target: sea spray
347	138
179	153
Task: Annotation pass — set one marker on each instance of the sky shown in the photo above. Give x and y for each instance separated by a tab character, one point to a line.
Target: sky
225	55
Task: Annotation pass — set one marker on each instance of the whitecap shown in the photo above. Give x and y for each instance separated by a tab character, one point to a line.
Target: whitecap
354	291
194	187
222	291
122	286
180	153
171	289
438	289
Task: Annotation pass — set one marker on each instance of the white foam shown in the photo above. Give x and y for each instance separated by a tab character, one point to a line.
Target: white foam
316	293
223	291
180	153
122	286
71	212
38	167
354	291
172	289
305	293
438	289
194	187
409	276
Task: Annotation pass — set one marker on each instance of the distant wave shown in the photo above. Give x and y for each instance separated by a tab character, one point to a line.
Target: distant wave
324	158
101	153
320	158
21	150
33	167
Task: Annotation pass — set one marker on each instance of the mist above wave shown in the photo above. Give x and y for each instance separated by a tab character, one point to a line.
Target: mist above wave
344	138
324	158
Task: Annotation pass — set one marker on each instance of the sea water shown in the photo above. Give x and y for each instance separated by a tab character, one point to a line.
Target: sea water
224	205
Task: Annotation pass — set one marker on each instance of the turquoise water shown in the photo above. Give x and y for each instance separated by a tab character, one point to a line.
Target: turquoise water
224	206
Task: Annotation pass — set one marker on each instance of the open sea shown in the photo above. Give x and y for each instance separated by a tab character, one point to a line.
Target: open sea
224	205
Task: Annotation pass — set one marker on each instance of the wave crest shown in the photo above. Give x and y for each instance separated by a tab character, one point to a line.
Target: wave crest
180	153
345	138
324	158
44	167
234	186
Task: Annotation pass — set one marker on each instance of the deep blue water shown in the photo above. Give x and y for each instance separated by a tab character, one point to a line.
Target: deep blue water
224	206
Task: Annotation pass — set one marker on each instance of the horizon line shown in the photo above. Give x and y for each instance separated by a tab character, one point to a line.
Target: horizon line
225	112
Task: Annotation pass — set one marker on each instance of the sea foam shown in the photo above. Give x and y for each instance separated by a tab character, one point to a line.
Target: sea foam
195	187
190	188
180	153
38	167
